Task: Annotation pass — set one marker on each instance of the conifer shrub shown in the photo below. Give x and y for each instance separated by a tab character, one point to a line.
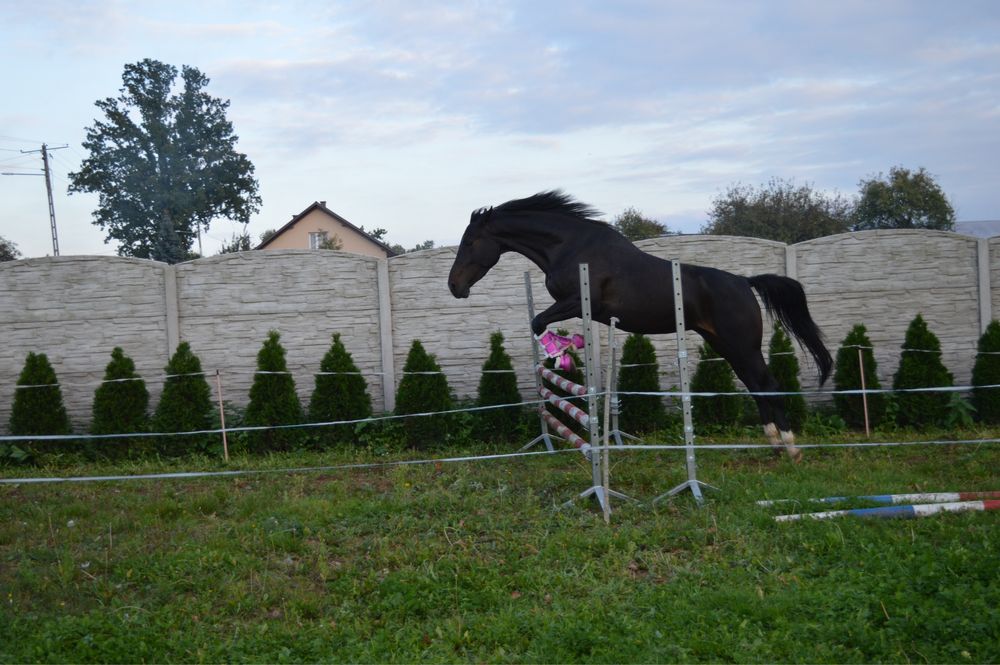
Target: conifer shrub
273	402
847	376
38	409
784	367
341	393
986	372
185	406
640	373
920	366
498	385
714	375
423	389
121	406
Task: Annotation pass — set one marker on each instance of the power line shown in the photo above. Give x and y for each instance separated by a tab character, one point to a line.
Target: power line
48	189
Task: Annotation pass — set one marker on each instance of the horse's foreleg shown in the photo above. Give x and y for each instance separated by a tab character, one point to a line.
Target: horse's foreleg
561	310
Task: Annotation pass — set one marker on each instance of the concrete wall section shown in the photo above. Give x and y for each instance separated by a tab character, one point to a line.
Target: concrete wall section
76	309
994	272
456	331
229	303
883	279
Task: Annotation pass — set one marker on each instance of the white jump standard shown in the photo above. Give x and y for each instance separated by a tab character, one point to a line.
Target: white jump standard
587	418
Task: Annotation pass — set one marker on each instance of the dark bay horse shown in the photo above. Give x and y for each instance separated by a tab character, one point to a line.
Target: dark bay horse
558	233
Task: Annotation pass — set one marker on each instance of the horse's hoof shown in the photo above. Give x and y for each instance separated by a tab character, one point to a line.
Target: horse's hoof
795	456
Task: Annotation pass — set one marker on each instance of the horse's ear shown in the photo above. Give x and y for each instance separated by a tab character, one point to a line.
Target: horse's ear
482	215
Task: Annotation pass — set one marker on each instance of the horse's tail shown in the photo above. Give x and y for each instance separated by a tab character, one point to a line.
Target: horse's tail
785	300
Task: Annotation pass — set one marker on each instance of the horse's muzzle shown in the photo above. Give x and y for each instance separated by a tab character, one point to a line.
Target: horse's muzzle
458	291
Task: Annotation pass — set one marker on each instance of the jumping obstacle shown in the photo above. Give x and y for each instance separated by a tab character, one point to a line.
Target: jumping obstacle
544	375
914	510
592	363
692	483
923	497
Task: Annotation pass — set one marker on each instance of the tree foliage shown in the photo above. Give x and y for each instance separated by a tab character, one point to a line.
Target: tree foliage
780	210
273	401
640	373
185	405
163	163
341	393
714	375
986	372
240	242
423	389
920	366
784	366
903	200
847	376
38	406
498	385
635	226
8	250
121	406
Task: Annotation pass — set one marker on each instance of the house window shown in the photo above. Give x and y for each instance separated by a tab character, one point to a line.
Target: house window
317	239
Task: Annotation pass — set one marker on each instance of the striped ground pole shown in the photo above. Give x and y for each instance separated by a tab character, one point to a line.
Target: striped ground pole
571	410
565	384
566	432
914	510
925	497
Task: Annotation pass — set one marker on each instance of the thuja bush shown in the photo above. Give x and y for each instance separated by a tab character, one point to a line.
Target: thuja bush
498	385
273	402
640	373
714	375
121	406
423	389
847	376
341	393
986	372
38	409
920	366
784	366
185	406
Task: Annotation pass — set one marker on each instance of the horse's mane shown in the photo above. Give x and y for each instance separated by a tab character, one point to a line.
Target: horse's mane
553	201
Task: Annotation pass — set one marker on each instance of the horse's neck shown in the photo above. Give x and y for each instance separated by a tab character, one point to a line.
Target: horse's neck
537	239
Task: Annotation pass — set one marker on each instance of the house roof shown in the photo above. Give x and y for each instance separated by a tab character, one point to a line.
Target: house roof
321	206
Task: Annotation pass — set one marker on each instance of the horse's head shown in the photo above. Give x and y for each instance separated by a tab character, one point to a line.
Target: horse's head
477	253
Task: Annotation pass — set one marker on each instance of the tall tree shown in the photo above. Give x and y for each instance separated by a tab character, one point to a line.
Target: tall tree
164	162
903	200
8	250
779	210
635	226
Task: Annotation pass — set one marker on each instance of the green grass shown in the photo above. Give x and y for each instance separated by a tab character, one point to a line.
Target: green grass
478	562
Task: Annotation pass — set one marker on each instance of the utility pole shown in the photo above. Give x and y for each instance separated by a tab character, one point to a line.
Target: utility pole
48	188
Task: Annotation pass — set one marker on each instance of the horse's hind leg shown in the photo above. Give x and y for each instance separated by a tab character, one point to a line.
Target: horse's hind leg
749	365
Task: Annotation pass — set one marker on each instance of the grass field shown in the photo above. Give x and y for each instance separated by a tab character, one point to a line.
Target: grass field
477	562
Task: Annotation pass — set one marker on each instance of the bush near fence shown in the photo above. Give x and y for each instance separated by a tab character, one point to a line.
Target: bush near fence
186	403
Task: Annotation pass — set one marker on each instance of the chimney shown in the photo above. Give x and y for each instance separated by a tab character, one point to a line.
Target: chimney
323	203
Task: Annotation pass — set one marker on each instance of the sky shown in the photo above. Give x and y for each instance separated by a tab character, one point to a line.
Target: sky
408	115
